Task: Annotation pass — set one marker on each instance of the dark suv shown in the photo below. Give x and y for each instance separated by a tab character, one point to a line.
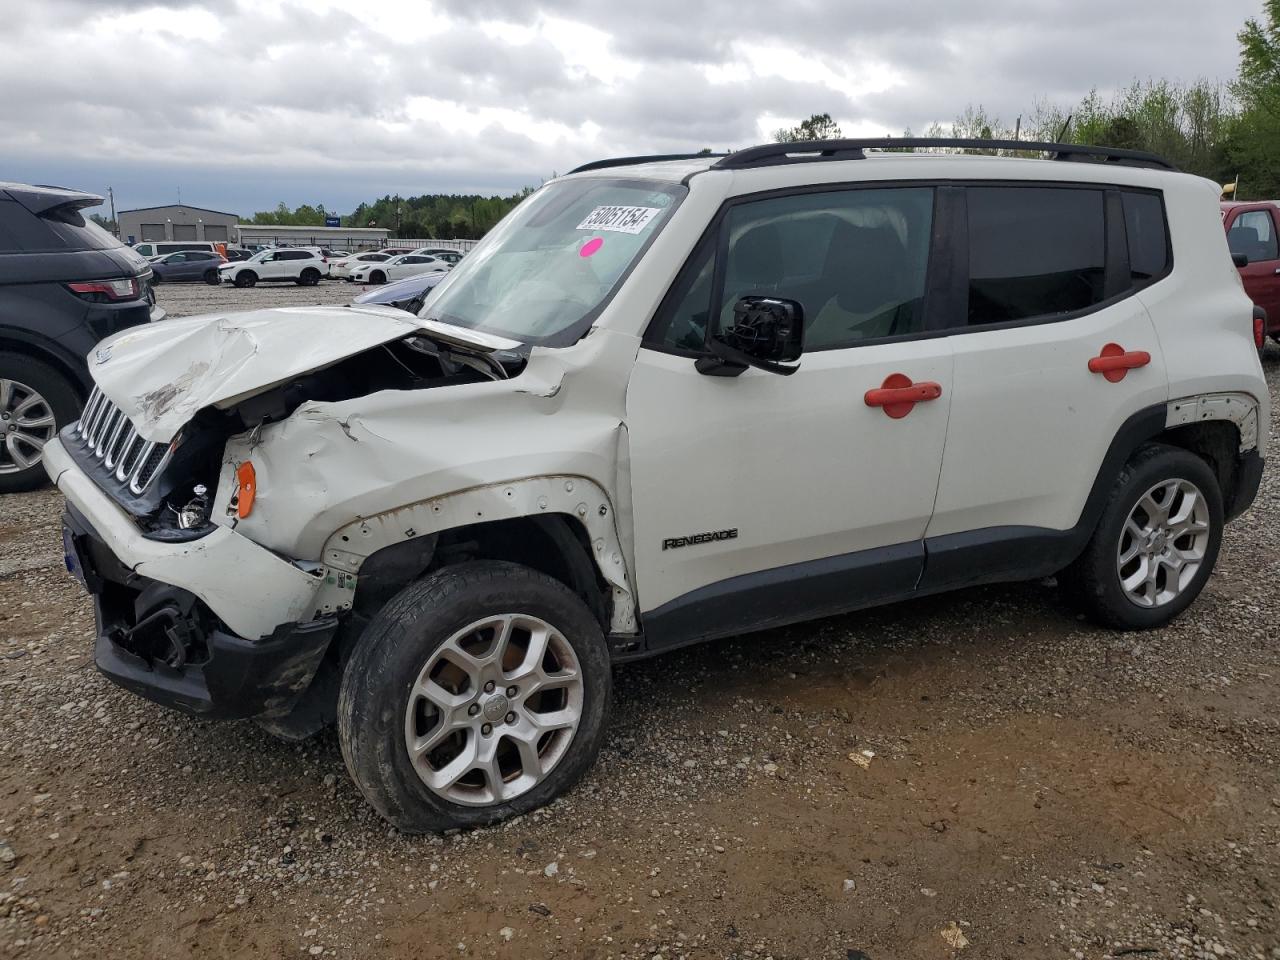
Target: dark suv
65	283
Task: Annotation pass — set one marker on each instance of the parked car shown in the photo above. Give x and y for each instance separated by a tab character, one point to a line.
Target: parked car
235	254
667	401
407	294
65	283
157	248
189	265
1252	237
451	257
301	265
341	268
397	268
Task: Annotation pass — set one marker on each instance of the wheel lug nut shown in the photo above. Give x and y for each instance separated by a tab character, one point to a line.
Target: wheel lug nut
487	729
488	687
512	691
511	717
473	709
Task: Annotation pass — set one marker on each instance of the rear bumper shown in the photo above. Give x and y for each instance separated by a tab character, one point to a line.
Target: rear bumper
164	644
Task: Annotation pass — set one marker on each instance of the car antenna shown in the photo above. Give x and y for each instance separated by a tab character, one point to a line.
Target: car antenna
1065	127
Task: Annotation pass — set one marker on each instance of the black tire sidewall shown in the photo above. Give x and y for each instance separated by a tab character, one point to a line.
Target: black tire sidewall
211	278
391	653
246	278
57	391
1100	582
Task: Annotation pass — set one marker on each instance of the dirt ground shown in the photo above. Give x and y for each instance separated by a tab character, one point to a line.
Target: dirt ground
977	775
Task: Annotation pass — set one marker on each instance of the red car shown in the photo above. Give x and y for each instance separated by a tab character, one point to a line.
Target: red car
1251	233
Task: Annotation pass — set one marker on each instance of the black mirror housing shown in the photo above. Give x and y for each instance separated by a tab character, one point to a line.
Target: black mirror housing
1240	259
767	333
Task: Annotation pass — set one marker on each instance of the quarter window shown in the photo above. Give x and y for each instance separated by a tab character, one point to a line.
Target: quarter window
1034	252
1148	239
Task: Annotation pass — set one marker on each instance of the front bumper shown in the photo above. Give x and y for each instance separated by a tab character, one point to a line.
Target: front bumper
163	643
244	585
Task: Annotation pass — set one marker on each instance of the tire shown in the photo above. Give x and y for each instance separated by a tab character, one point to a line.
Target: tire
211	278
1095	578
155	279
246	278
380	705
309	278
31	392
377	278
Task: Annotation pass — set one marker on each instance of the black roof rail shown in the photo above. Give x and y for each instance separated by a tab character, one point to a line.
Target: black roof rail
632	161
804	151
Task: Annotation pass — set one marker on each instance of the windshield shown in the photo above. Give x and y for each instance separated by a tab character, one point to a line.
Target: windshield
544	273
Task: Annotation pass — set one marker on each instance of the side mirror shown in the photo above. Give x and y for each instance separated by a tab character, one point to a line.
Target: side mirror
767	332
1240	259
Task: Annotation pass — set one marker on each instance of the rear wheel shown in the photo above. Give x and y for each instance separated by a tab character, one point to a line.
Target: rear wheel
246	278
309	278
476	694
36	401
211	278
1156	543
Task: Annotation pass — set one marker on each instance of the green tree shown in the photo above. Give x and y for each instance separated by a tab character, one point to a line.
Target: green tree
1253	141
820	126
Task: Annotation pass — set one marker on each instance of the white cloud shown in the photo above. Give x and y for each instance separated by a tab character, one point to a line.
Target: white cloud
354	100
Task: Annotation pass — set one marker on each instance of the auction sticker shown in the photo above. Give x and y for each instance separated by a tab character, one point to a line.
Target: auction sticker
619	219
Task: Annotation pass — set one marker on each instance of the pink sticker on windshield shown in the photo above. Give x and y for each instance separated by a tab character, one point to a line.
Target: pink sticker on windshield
591	246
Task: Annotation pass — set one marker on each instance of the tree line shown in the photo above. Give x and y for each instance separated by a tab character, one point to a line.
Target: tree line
460	216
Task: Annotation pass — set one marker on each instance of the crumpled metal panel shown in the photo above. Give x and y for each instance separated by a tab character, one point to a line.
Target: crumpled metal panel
332	465
161	374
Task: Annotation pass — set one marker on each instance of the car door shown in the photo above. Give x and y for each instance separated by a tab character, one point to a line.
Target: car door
761	499
194	265
1253	233
1051	277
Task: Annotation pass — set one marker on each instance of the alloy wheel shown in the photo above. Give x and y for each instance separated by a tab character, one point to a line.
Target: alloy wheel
26	424
494	710
1163	543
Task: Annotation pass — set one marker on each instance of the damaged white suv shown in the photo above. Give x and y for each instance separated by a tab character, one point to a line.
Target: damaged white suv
664	401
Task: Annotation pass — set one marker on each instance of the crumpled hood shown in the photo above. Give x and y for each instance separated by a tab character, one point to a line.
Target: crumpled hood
161	374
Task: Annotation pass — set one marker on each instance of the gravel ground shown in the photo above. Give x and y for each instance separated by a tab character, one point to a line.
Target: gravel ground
979	774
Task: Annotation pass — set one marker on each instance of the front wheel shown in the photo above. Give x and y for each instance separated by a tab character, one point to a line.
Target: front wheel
246	278
476	694
377	278
1156	543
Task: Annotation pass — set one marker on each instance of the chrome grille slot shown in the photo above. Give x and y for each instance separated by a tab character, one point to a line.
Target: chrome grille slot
110	437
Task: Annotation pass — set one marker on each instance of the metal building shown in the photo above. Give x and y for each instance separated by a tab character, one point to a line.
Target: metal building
338	238
177	222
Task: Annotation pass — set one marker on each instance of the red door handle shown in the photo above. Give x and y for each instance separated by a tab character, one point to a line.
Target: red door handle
1115	361
898	395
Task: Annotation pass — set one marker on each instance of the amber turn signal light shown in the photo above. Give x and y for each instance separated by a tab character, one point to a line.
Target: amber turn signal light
248	489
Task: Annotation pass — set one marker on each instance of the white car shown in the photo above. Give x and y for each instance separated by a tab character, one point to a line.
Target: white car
451	257
304	266
397	268
665	402
341	268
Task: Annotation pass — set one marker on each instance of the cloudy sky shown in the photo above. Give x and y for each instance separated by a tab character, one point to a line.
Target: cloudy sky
241	103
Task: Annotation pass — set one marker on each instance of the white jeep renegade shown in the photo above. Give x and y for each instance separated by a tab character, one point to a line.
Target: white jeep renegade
665	400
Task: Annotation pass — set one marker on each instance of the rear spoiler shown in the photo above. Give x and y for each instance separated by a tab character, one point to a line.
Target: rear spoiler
44	200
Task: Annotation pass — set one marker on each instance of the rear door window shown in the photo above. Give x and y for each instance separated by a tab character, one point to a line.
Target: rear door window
1148	236
1034	252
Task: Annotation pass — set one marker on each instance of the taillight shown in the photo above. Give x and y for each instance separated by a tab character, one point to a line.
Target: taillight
1259	330
100	291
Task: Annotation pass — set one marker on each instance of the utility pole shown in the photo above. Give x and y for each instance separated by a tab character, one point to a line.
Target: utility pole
115	224
179	196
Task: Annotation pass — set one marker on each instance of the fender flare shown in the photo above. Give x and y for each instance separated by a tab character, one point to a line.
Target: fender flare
1238	408
583	500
